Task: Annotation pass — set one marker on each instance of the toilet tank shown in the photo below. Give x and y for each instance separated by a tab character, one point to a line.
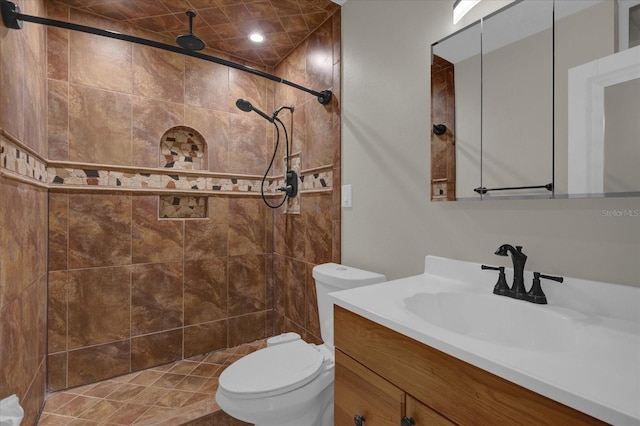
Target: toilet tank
330	277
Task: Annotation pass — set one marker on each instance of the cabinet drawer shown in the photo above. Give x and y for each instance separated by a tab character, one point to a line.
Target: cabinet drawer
463	393
423	415
358	391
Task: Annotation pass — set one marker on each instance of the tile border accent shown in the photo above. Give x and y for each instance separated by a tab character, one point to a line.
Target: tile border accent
21	161
18	162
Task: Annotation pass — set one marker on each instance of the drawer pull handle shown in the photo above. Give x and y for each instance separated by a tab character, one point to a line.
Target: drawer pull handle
358	420
407	421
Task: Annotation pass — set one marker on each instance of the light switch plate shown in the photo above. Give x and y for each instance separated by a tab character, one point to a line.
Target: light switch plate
346	196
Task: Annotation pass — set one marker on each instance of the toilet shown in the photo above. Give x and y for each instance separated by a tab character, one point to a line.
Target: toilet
290	382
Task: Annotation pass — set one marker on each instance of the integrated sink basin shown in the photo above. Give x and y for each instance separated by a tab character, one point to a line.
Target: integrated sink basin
495	319
580	349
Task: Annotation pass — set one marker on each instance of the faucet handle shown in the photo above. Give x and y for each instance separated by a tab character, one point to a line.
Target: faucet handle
536	295
549	277
501	288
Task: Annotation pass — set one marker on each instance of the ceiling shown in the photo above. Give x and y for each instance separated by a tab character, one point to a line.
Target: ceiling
223	24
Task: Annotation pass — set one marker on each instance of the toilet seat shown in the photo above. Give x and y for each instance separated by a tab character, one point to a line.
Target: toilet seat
272	371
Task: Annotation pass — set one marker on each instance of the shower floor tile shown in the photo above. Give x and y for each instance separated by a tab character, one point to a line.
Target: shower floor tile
179	393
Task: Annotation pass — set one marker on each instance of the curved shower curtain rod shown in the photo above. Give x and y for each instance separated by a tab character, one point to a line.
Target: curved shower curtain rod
13	19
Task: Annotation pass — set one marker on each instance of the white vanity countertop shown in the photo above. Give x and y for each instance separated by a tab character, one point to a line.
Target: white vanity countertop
597	373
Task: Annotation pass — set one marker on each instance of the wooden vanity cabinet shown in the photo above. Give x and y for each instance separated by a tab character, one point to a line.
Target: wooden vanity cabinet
359	391
384	375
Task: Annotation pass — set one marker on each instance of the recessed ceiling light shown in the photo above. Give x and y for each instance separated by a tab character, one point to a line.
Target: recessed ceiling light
256	37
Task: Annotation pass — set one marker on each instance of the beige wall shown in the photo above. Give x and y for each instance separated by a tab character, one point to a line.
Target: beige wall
385	152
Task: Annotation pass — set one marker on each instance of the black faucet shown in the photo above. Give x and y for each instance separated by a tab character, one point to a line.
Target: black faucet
517	290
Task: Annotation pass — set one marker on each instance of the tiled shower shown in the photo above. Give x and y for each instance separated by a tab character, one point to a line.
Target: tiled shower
93	283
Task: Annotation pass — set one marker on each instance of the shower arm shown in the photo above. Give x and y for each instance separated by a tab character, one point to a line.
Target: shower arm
13	19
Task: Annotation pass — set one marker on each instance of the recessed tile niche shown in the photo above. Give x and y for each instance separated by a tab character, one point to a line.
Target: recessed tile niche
182	148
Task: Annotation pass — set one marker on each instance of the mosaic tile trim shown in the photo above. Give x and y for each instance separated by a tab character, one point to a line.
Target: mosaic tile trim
174	207
311	181
18	160
183	148
316	181
149	180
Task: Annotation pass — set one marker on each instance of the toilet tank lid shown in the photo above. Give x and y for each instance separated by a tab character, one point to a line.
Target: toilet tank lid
343	277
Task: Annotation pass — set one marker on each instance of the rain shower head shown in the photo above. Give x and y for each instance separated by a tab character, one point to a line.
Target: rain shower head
245	105
190	41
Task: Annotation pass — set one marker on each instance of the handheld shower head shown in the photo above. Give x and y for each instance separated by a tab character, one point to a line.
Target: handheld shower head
245	105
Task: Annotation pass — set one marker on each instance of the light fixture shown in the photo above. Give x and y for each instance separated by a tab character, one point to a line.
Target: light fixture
461	7
256	37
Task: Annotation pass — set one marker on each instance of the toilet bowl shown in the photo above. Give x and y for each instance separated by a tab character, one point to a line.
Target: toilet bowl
290	382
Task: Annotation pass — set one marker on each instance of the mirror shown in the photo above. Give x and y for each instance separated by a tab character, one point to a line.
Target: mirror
517	103
547	100
460	88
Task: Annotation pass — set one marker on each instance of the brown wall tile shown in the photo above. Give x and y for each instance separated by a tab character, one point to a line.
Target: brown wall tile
247	86
58	54
99	230
151	118
158	74
319	229
98	306
214	127
58	120
99	126
206	84
23	218
13	375
58	231
205	290
247	284
294	290
248	154
156	297
33	401
247	328
57	311
247	226
57	371
12	82
313	237
154	240
203	338
35	89
156	349
100	62
97	363
57	43
312	319
205	239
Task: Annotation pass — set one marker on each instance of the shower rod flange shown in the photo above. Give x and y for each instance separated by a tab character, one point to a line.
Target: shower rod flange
10	12
13	19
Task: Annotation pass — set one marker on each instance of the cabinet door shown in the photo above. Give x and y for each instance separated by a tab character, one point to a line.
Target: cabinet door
423	415
359	391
